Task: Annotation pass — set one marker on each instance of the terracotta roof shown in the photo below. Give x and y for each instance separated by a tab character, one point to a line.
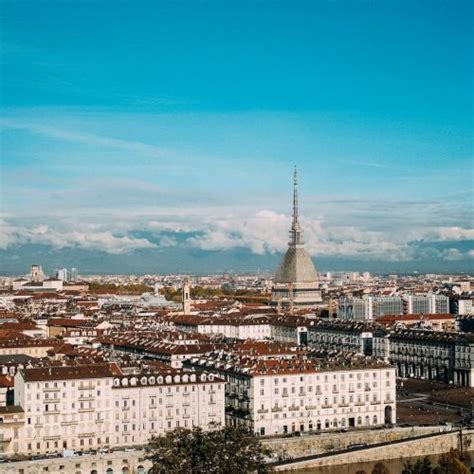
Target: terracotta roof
388	318
63	322
19	326
70	372
6	381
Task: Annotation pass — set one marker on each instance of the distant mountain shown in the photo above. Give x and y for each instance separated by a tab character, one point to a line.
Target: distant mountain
16	260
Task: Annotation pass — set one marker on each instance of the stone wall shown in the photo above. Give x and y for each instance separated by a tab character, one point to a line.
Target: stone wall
325	442
437	444
118	462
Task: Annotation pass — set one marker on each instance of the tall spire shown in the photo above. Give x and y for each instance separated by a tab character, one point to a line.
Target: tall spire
295	232
295	196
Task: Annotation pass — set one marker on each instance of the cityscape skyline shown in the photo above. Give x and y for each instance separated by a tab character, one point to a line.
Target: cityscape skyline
236	236
117	157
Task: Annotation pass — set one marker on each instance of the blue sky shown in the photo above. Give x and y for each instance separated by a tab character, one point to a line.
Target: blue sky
174	126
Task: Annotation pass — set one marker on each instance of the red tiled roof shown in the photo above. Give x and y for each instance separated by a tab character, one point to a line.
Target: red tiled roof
392	318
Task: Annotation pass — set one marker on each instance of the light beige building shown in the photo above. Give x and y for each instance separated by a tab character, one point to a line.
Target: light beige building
91	407
284	396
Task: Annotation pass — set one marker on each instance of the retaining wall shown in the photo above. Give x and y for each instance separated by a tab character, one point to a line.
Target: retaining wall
432	445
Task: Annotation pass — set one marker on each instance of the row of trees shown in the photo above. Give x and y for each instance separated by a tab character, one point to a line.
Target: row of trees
448	463
135	289
172	294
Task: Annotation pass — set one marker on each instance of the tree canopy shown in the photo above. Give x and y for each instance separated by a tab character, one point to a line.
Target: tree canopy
225	451
448	463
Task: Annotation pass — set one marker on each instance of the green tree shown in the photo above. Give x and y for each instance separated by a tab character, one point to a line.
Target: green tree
421	466
225	451
450	463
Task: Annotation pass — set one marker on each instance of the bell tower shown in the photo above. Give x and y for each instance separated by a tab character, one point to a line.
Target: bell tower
186	296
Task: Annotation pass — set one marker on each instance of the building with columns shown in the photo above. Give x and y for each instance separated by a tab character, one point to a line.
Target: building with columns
434	355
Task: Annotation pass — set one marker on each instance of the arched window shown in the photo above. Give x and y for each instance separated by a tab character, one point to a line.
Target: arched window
140	469
109	471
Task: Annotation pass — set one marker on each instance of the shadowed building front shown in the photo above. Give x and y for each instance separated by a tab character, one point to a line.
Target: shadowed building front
296	281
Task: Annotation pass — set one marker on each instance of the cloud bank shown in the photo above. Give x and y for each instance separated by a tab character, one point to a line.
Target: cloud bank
264	232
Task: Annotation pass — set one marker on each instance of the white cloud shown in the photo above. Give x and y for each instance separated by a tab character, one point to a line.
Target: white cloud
88	240
264	231
452	254
451	233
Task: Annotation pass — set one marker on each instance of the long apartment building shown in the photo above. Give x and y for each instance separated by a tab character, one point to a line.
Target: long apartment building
102	405
371	307
277	397
437	355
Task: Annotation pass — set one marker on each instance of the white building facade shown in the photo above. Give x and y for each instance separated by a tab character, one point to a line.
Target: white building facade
276	397
84	408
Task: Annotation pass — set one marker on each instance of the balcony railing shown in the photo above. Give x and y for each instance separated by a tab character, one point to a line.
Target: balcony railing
68	423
